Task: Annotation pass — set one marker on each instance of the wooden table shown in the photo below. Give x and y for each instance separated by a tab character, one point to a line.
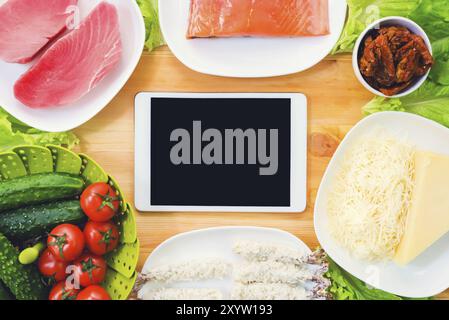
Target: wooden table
335	100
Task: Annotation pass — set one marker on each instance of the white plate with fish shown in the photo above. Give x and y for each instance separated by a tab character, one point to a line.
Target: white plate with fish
426	275
205	259
69	116
247	57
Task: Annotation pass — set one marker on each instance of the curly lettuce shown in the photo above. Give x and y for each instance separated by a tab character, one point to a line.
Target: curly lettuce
433	17
14	133
150	14
364	12
430	101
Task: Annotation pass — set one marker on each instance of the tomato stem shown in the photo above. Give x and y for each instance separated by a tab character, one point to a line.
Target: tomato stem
60	242
107	237
89	266
107	201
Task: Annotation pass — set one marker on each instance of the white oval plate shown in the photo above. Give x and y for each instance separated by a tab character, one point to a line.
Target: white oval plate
67	117
215	243
427	275
246	57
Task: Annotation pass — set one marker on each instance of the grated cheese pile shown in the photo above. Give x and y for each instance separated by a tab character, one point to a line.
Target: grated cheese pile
369	201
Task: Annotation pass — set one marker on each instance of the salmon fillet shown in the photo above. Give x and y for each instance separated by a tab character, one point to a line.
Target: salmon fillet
76	63
269	18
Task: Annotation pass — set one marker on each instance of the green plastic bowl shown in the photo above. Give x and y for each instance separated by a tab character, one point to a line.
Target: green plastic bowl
28	160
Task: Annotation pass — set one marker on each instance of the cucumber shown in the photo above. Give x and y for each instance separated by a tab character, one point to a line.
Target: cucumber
39	188
24	282
35	221
4	292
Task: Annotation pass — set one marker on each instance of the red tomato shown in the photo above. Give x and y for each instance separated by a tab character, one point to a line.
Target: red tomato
90	269
93	293
101	237
66	242
51	267
100	202
60	291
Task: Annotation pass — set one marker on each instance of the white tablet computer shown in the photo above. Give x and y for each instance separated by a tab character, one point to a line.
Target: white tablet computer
233	152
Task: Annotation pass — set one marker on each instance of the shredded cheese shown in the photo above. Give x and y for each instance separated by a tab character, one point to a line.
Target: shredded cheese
370	197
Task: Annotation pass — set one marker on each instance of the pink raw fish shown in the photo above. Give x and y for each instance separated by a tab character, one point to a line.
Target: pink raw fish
26	26
76	63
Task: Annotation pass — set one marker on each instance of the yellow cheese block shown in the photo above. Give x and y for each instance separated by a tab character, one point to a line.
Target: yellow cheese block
428	217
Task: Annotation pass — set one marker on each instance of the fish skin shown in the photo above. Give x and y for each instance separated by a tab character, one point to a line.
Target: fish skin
75	64
27	26
265	18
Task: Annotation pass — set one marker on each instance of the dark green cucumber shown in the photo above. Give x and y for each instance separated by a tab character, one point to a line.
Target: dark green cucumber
4	292
39	188
24	282
34	221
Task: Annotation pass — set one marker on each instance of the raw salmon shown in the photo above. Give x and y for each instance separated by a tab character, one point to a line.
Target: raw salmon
76	63
26	26
269	18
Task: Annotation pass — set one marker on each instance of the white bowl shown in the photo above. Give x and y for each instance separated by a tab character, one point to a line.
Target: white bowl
414	28
132	28
428	274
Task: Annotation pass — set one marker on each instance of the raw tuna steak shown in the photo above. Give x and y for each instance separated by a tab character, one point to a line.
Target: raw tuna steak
26	26
75	64
271	18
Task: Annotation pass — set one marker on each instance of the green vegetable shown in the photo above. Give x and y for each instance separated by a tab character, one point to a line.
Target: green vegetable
344	286
364	12
150	14
433	17
4	292
430	101
14	133
39	188
440	71
347	287
23	281
31	222
31	254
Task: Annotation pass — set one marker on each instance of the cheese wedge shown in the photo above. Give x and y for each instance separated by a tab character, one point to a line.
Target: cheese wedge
428	217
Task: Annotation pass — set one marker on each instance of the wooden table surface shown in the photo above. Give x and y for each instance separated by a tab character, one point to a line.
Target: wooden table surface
335	100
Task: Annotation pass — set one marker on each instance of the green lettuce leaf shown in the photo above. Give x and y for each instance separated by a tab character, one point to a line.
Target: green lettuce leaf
345	286
14	133
364	12
150	14
433	17
430	101
440	71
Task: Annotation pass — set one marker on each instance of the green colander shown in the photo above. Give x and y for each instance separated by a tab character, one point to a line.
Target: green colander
27	160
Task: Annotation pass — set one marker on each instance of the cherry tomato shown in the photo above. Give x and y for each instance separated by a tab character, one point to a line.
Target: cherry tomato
66	242
101	237
100	202
61	291
52	267
93	293
90	269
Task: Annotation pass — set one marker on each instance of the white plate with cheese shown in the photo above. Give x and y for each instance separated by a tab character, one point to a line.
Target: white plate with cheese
427	274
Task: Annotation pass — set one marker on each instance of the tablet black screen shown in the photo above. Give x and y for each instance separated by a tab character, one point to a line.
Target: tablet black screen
220	152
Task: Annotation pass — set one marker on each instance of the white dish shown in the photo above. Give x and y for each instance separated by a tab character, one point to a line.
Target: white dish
64	118
413	27
246	57
215	243
427	275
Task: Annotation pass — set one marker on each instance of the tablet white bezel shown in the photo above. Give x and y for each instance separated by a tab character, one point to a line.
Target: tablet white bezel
298	172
